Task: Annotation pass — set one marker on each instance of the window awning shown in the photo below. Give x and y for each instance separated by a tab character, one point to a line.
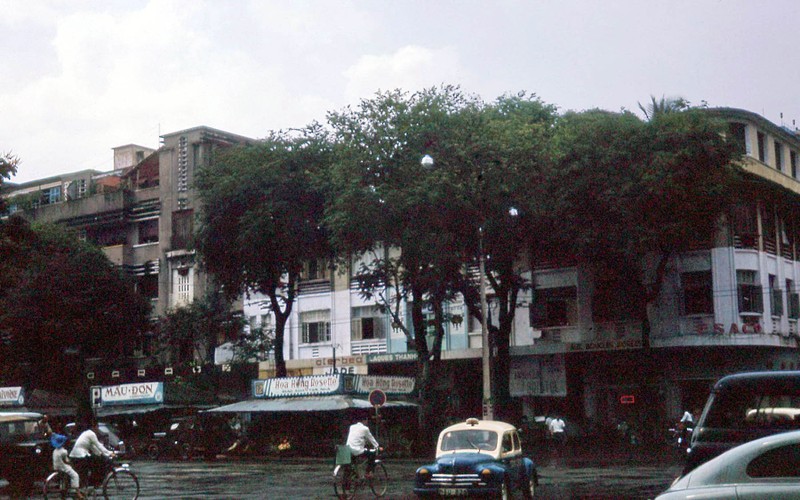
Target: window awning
303	404
108	411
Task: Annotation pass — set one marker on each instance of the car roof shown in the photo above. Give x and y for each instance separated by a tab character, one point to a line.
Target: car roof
765	381
472	423
733	462
19	415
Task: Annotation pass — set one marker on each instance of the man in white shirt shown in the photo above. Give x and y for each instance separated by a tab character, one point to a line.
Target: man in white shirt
357	440
557	427
88	454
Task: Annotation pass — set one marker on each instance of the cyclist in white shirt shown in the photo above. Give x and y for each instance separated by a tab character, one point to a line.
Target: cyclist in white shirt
89	455
357	440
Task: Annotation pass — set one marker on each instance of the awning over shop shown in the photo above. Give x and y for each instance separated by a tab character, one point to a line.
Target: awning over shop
108	411
303	404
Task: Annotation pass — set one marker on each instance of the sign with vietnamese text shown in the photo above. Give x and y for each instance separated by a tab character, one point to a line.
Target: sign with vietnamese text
130	394
283	387
538	376
12	396
365	384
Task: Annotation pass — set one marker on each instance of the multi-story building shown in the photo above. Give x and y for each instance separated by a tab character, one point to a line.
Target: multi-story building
141	213
730	307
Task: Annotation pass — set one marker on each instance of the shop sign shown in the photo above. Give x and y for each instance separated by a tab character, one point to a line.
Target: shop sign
607	345
390	385
296	386
391	358
128	394
538	376
12	396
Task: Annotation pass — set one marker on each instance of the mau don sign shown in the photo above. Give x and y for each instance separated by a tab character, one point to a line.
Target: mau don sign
129	394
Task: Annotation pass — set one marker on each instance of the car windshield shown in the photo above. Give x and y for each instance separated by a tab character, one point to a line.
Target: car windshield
18	430
476	439
748	410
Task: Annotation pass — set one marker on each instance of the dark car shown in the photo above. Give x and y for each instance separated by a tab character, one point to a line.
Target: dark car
25	452
478	458
744	407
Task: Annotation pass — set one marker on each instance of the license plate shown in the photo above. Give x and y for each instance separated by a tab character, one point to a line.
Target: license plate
452	492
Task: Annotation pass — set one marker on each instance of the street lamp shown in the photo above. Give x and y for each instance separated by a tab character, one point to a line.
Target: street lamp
488	405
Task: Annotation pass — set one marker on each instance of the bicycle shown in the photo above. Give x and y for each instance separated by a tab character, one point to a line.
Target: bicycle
349	475
119	482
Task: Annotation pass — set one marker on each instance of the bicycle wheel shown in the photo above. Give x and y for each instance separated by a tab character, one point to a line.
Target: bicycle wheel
56	485
345	482
121	483
379	481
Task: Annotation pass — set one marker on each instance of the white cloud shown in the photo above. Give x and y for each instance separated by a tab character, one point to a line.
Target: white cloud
410	68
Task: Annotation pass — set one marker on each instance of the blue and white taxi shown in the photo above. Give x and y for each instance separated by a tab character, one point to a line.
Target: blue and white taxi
478	458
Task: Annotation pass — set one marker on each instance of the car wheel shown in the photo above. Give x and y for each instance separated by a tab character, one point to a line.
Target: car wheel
153	451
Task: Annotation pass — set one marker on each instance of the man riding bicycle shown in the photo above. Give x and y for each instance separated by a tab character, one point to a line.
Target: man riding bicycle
89	456
357	440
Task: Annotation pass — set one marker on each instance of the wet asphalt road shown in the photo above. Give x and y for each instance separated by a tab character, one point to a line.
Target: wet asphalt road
311	479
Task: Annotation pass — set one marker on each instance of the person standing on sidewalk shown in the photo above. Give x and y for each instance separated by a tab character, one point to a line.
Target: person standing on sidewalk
557	427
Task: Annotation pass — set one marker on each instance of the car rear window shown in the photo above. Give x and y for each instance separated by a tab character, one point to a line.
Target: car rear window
749	409
779	462
17	430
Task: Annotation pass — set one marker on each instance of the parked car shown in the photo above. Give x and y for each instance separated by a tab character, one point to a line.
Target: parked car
25	452
768	467
478	457
743	407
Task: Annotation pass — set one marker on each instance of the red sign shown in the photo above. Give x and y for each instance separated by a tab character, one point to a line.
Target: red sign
377	397
627	399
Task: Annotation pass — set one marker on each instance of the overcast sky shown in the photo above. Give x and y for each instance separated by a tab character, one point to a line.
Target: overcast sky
80	77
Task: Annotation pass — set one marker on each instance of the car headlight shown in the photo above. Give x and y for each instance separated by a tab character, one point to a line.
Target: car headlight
423	473
486	474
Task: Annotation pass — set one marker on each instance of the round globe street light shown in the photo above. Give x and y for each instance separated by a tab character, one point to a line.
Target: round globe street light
486	368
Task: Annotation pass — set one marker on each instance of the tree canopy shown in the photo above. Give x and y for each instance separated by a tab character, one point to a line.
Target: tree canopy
59	294
261	220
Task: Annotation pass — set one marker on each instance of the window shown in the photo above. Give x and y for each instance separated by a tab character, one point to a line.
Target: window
749	292
793	163
762	147
316	326
738	136
367	323
745	225
778	462
148	231
554	307
182	227
51	195
779	156
776	297
792	300
697	293
316	269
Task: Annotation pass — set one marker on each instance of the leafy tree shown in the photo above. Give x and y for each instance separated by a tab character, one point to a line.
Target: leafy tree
262	220
663	106
189	334
631	195
60	295
8	167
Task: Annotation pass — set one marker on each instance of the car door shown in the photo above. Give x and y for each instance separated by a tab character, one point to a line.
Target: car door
511	456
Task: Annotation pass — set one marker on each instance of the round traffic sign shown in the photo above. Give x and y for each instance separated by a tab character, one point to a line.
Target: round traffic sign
377	397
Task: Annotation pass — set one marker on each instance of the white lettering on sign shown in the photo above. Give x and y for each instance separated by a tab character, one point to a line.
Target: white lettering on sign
391	385
126	393
303	386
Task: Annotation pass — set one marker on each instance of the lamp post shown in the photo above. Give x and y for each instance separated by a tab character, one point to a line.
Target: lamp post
486	368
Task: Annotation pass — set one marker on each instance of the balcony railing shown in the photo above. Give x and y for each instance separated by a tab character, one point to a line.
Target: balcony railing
372	346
